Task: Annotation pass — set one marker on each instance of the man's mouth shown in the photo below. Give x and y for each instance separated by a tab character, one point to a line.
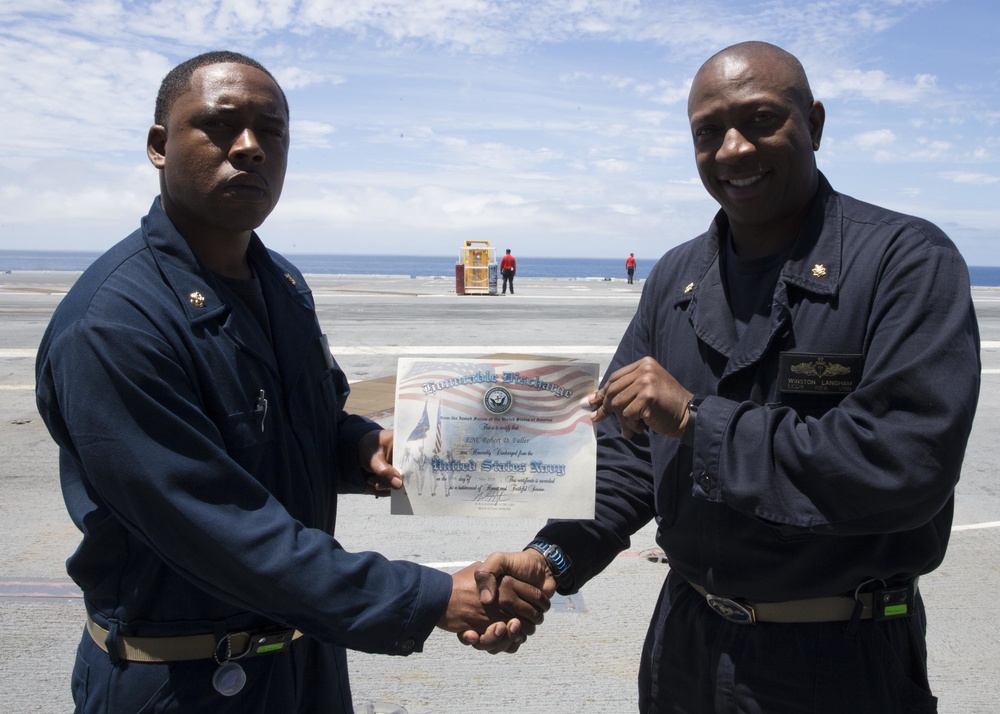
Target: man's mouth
744	182
246	186
245	191
247	180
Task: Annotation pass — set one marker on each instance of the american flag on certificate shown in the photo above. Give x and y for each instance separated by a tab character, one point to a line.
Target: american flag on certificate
546	399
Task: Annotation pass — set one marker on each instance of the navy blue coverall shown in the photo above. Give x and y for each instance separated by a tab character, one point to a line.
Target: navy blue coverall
789	493
202	462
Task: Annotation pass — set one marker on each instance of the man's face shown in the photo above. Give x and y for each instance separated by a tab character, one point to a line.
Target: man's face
755	141
223	152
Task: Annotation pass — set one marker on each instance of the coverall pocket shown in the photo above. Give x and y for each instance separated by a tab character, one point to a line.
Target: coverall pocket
246	435
335	390
79	681
880	669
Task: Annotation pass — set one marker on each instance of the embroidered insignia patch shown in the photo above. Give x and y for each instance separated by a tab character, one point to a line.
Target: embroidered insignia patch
808	373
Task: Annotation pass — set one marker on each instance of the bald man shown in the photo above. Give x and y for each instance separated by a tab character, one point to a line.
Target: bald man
791	402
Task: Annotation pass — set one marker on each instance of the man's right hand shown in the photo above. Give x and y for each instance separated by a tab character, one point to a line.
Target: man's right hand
496	605
510	580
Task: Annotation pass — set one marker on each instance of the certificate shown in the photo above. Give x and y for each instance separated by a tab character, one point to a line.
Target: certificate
495	438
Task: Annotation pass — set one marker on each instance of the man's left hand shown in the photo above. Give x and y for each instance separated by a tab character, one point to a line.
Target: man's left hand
375	456
643	394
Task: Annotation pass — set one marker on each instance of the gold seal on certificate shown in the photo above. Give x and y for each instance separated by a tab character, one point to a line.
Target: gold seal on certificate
500	438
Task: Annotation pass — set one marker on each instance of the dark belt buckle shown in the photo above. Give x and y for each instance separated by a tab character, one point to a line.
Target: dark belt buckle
268	642
733	610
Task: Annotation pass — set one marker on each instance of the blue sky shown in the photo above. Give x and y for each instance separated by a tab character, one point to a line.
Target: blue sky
552	127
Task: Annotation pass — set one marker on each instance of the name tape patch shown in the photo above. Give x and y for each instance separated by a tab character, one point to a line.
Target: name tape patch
809	373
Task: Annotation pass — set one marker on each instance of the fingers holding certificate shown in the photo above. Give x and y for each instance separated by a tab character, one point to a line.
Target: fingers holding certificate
495	438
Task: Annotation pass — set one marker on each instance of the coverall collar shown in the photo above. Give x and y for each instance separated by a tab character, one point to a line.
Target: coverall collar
195	288
813	265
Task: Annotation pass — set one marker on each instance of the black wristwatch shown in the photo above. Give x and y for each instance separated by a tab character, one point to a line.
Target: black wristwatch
558	563
688	436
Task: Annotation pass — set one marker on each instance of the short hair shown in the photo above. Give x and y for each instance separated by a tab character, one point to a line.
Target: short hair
178	80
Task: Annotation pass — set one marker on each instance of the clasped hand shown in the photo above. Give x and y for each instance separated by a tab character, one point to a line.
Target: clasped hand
496	605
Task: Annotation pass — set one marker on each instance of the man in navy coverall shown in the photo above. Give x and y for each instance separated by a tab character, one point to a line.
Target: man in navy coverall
791	403
203	442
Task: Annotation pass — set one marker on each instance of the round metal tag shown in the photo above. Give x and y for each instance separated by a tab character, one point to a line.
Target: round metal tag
229	679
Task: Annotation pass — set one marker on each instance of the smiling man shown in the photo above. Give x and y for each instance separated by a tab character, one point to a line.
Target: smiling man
756	129
203	442
791	402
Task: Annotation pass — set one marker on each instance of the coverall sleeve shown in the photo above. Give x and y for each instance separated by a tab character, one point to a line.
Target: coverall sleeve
160	465
625	484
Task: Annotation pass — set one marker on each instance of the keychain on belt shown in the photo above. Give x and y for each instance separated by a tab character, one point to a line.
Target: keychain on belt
229	678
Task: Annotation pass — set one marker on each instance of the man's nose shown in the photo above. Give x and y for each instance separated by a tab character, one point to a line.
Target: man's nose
247	148
734	146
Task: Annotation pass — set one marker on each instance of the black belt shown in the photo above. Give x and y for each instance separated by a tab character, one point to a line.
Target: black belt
176	649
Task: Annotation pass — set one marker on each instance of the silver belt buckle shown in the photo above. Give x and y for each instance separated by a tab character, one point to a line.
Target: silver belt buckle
732	610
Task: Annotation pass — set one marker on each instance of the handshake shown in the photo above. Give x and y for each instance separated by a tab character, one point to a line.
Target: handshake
495	605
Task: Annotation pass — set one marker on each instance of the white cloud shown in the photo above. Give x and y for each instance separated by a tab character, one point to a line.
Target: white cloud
932	150
613	165
970	177
871	140
308	134
672	94
875	86
507	117
291	78
655	118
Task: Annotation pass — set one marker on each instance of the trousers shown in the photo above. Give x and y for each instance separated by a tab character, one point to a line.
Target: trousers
696	662
508	279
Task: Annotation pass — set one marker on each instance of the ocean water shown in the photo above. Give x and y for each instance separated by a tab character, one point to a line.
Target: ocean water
423	265
527	267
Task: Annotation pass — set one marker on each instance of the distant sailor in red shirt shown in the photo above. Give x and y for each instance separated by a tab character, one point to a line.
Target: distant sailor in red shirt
630	266
508	266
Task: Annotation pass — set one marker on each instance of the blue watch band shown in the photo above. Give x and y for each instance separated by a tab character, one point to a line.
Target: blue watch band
558	563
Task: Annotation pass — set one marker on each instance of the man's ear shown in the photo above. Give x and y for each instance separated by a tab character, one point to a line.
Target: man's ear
156	145
817	118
